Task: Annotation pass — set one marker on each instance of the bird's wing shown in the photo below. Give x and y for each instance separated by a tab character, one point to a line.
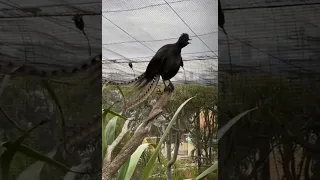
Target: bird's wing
181	62
156	62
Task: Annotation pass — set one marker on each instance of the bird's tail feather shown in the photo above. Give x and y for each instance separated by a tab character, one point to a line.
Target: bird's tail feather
145	94
137	79
143	82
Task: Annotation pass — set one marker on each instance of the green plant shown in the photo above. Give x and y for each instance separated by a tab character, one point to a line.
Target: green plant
148	169
109	123
11	148
221	133
126	171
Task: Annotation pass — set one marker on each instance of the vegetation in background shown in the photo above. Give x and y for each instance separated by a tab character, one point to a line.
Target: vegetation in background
285	128
204	137
26	103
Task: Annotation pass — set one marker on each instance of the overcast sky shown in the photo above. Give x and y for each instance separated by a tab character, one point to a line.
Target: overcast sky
132	30
154	23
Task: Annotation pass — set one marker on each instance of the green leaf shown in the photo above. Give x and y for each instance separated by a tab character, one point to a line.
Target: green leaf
51	92
212	168
123	170
33	172
85	165
104	117
108	135
4	83
11	149
26	134
6	159
134	159
234	120
104	87
114	113
148	169
6	79
36	155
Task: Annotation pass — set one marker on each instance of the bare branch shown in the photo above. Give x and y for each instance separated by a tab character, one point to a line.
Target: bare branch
116	141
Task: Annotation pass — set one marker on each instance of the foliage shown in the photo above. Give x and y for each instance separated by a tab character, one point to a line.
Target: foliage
148	169
277	125
211	169
206	99
13	147
27	103
109	123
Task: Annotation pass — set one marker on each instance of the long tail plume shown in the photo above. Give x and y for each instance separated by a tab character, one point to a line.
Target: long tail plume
144	95
143	82
139	78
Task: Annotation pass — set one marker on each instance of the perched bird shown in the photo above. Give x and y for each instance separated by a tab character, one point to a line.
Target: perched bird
130	65
221	22
221	19
165	63
78	21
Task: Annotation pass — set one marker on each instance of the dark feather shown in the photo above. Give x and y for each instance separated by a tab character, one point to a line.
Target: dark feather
165	63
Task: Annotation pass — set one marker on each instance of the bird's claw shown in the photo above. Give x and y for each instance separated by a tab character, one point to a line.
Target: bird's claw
169	88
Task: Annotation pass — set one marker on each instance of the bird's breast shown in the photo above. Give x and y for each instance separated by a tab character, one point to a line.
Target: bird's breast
171	67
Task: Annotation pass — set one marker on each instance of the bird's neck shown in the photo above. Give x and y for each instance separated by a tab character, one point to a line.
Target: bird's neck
180	44
176	50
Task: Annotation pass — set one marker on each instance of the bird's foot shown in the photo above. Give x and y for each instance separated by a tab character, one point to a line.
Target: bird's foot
169	88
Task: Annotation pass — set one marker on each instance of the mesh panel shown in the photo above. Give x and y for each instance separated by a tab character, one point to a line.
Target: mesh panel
134	30
271	37
43	32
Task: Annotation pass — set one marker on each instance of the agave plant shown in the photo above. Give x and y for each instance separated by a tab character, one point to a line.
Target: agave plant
126	171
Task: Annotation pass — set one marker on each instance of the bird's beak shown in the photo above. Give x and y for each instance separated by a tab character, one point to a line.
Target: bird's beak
189	40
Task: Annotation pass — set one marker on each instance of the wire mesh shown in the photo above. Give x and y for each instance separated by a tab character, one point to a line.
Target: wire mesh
274	37
134	30
43	32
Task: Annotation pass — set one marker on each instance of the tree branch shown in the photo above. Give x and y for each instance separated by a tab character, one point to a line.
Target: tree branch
116	142
110	168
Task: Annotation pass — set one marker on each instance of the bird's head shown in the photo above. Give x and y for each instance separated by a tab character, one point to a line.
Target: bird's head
77	17
184	40
78	21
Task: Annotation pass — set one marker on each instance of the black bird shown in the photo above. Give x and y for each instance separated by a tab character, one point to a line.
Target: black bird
165	63
78	21
221	19
221	22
